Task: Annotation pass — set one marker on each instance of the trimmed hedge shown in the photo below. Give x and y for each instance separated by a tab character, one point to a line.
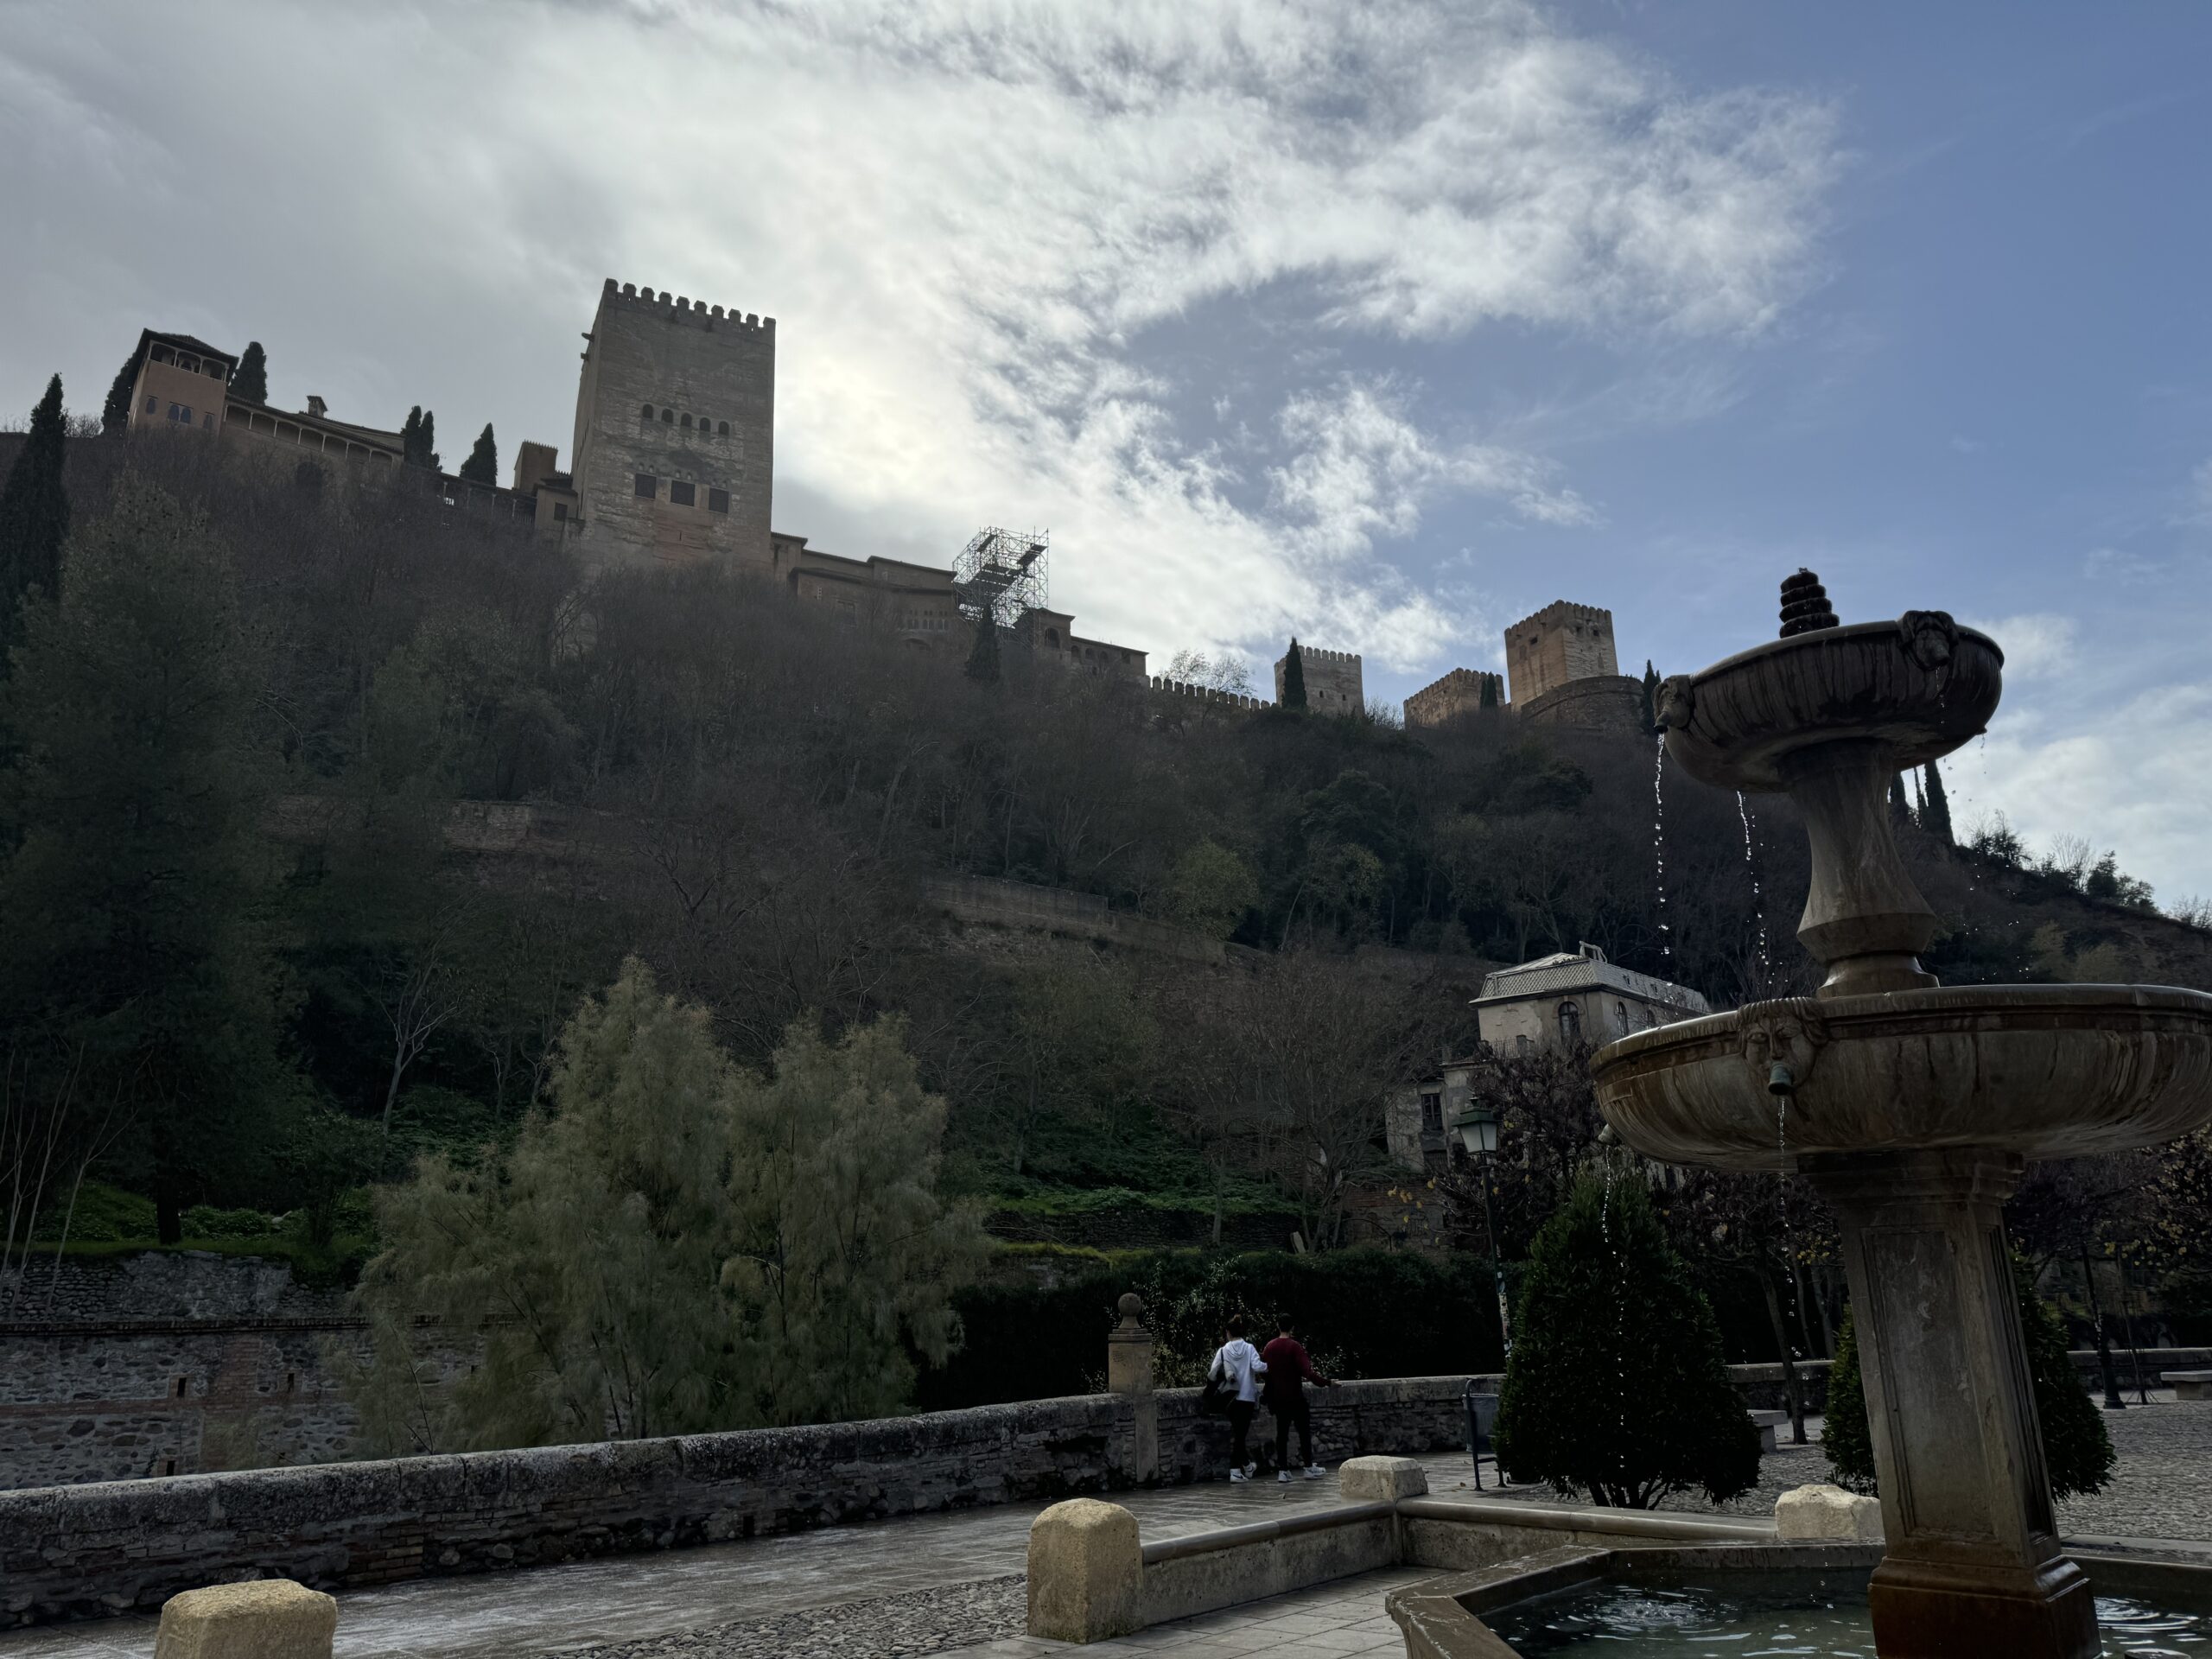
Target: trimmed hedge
1364	1313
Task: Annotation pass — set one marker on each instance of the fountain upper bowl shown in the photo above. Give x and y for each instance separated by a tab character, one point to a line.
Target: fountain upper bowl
2044	1070
1920	686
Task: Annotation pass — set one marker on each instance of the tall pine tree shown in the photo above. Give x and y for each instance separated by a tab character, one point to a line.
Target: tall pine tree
1900	808
482	466
250	380
115	414
1293	679
1489	698
983	660
34	514
1935	808
418	439
1648	699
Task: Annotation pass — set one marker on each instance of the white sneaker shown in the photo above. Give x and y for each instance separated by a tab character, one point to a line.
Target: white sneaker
1250	1469
1238	1474
1283	1475
1313	1472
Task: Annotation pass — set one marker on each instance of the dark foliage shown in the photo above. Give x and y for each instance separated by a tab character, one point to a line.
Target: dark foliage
1374	1312
1616	1387
250	380
1294	678
1936	805
33	512
482	466
983	655
115	413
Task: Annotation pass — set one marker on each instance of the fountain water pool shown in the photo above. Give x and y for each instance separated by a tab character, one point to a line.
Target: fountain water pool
1912	1108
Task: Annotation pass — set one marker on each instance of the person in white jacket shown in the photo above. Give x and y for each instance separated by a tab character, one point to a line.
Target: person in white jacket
1239	1367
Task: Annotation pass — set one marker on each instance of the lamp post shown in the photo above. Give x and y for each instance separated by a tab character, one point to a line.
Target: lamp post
1477	1129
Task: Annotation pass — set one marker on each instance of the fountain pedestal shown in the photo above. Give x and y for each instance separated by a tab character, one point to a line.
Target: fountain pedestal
1973	1569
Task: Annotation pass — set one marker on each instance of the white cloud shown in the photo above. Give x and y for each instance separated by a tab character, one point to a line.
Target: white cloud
2039	647
2113	565
967	219
2135	777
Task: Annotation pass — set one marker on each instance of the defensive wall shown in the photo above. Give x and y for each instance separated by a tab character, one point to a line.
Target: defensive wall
1334	685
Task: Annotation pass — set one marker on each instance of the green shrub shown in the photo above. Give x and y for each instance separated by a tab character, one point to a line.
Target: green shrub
206	1221
103	1214
2075	1446
1371	1313
1618	1387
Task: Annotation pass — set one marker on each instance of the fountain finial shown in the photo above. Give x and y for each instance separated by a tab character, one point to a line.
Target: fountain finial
1805	606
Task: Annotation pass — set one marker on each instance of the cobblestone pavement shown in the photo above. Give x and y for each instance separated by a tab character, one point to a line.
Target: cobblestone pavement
959	1616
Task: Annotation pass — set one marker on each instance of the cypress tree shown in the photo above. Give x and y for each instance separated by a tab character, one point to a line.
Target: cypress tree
1617	1385
250	380
410	435
1900	808
34	513
1648	699
115	414
1293	679
1935	809
2075	1445
482	466
984	660
1489	699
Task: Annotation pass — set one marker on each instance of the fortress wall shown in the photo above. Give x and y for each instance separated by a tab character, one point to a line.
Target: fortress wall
1334	683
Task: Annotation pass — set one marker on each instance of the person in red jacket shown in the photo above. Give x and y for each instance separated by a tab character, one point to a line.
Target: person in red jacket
1288	1371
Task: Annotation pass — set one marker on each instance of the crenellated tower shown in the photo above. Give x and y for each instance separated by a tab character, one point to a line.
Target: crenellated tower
674	455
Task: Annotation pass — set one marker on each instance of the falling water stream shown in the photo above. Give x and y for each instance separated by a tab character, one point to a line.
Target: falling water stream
1659	846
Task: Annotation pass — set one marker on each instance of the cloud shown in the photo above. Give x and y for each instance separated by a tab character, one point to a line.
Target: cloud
975	224
2200	493
2135	776
2037	647
2113	565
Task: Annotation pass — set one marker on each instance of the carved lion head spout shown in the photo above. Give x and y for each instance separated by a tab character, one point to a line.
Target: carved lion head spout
1930	638
1673	704
1790	1034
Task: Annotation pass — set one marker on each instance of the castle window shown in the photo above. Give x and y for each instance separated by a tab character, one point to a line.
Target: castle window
648	485
180	412
682	495
722	430
687	423
1570	1024
1053	637
647	413
717	500
207	422
668	418
153	405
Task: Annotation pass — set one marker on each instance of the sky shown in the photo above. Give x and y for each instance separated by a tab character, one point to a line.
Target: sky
1381	325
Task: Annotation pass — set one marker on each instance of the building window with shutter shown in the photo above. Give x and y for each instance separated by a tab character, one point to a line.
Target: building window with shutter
682	495
1432	1111
560	513
717	500
648	485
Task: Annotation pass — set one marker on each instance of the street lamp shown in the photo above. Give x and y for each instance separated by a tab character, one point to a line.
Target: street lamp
1477	1129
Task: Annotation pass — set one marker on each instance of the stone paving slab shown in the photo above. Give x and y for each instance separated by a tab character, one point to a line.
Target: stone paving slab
1343	1620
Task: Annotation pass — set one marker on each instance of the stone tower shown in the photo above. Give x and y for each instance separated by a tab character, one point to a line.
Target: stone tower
1333	685
675	439
1563	668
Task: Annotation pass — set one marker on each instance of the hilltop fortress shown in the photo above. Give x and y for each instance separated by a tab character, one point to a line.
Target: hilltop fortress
672	463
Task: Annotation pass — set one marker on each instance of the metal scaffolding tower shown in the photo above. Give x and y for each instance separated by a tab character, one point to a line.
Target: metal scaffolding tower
1001	573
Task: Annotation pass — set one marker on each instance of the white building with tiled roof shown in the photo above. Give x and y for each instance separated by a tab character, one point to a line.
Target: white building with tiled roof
1576	996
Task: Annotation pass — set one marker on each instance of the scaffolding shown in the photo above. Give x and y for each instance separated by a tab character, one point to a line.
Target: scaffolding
1001	573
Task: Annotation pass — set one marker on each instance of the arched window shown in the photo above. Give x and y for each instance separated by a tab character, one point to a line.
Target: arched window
1570	1024
1053	637
1621	1009
668	418
647	413
687	423
722	430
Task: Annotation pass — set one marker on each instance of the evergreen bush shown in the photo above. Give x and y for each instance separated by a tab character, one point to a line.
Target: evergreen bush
2075	1445
1618	1387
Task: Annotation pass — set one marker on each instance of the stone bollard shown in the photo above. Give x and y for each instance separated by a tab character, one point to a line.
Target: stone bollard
268	1618
1129	1375
1371	1480
1086	1572
1827	1514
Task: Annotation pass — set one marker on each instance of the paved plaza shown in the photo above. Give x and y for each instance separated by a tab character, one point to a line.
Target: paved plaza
949	1582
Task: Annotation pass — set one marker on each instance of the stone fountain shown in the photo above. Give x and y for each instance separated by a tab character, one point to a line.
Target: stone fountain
1912	1108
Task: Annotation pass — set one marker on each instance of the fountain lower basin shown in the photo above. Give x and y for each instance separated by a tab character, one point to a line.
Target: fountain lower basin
2037	1071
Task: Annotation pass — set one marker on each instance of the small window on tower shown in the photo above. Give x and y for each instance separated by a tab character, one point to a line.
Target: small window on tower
717	500
647	413
682	495
687	423
153	405
648	485
722	430
668	418
560	513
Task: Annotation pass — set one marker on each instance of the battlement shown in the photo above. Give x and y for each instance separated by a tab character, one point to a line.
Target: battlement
1562	612
1334	681
680	309
1206	694
1311	655
1454	694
